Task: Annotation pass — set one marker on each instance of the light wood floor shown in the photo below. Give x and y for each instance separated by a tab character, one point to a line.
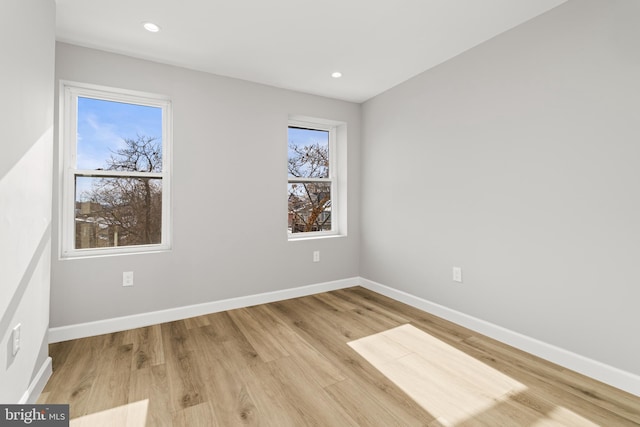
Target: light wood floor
343	358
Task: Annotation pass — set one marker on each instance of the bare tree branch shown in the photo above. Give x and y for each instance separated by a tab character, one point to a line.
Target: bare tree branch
130	207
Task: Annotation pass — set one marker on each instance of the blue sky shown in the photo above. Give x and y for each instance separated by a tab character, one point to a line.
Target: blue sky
102	125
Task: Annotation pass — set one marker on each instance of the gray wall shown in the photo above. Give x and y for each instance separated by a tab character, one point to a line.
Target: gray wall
518	161
229	196
26	134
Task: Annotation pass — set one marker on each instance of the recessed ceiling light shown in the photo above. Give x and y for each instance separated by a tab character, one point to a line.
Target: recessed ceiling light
336	75
151	27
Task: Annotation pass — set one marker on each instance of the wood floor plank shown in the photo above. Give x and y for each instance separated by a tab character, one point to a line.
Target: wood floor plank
221	327
335	303
378	349
196	322
267	393
111	385
319	367
343	322
200	415
73	379
260	338
219	364
307	399
151	384
184	382
232	404
362	305
147	346
330	359
350	396
234	352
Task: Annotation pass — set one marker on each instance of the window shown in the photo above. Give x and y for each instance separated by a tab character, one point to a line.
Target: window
312	186
116	163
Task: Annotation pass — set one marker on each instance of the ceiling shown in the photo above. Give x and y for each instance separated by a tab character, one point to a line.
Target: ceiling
296	44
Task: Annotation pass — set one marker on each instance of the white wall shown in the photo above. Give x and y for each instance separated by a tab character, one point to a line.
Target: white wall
518	161
26	132
229	196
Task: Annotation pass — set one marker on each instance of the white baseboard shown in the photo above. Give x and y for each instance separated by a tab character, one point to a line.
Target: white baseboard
107	326
37	385
607	374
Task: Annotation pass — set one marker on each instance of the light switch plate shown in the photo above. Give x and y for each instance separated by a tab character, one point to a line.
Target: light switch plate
15	338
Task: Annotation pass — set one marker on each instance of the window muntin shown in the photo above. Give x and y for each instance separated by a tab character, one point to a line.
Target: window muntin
311	180
116	172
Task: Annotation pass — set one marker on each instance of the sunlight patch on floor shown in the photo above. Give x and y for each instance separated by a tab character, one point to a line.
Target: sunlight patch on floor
454	387
130	415
451	385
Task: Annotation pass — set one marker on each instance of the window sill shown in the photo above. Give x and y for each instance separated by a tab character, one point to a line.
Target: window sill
140	250
294	238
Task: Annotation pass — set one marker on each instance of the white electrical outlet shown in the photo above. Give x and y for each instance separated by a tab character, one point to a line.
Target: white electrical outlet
15	338
457	274
127	278
316	256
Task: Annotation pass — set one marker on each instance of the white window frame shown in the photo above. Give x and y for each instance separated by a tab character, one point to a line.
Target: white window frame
69	94
331	127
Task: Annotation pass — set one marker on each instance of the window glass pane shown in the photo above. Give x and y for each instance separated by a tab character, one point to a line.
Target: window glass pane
118	136
113	212
308	153
309	207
